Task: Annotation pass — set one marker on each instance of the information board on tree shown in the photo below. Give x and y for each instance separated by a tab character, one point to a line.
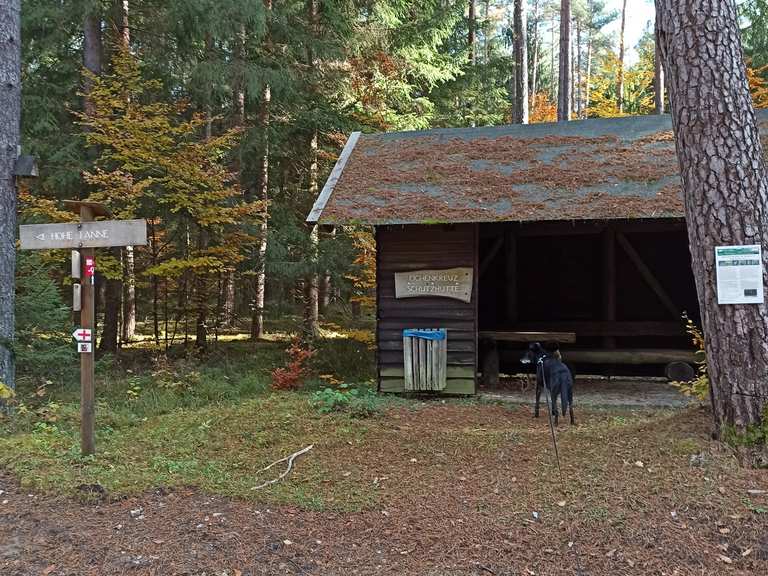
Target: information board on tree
739	274
453	283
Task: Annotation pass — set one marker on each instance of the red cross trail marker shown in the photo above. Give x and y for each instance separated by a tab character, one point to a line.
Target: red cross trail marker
85	236
82	335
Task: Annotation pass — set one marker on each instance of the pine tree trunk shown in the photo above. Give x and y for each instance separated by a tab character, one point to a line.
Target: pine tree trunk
229	286
588	82
726	191
564	77
620	80
92	47
658	79
535	59
113	293
112	299
129	294
471	41
201	297
10	139
521	63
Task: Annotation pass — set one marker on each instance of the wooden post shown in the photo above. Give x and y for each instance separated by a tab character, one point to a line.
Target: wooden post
87	321
511	275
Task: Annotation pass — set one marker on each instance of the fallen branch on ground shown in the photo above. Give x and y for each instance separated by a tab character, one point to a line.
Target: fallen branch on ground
290	459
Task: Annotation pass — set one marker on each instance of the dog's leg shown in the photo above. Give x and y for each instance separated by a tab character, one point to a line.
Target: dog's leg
538	399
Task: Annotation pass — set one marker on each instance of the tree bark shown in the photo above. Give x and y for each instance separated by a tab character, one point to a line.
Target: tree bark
726	190
564	77
535	57
579	101
92	47
312	282
587	84
129	294
620	76
552	83
658	78
521	63
113	294
121	25
471	40
10	140
260	280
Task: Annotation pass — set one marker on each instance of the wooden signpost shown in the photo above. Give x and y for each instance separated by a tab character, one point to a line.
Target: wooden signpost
85	236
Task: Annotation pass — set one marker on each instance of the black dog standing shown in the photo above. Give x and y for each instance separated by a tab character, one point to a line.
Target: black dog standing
552	374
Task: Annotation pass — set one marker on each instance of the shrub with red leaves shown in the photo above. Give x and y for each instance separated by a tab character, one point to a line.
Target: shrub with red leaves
291	376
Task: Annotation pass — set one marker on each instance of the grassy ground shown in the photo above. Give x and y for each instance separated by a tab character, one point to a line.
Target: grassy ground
418	487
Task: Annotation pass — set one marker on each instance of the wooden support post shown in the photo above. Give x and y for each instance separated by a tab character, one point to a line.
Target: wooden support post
491	254
87	322
511	275
647	275
609	284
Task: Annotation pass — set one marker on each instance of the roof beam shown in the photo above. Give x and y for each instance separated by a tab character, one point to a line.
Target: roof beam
330	184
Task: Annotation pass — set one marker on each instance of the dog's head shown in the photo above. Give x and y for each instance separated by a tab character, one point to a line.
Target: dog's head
534	353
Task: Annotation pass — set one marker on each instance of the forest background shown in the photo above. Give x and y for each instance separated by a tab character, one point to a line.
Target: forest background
218	121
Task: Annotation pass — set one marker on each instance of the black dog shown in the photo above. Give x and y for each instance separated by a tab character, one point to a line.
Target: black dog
553	374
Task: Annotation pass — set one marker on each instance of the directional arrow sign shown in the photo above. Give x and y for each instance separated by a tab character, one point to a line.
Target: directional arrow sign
85	235
82	334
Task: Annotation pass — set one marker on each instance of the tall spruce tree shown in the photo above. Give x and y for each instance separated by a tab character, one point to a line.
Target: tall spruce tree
10	141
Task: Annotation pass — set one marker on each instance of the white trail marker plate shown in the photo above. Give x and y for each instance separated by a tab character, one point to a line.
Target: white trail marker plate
84	347
82	335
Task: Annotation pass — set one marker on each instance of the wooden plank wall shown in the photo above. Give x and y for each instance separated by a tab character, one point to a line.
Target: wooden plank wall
426	247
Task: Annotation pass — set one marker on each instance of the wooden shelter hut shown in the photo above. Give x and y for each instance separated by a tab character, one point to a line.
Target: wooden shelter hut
570	232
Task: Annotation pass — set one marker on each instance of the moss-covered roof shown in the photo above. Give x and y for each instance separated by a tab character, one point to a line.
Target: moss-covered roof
588	169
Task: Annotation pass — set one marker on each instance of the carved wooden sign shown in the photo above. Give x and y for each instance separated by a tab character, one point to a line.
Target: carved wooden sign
453	283
83	234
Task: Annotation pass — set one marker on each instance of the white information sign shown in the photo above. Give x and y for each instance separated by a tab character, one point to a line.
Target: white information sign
85	347
739	274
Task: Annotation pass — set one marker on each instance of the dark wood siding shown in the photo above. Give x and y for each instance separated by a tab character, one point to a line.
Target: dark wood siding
426	247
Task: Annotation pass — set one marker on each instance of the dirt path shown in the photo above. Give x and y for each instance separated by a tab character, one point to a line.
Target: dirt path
447	507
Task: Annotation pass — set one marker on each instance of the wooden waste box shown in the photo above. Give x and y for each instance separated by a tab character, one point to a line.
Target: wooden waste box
425	353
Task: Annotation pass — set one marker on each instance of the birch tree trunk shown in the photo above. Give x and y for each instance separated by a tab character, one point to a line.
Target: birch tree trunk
564	77
260	281
312	280
658	78
726	191
521	63
579	111
620	78
10	139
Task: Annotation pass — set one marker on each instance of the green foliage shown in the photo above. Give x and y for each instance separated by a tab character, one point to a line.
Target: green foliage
358	402
699	386
44	352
